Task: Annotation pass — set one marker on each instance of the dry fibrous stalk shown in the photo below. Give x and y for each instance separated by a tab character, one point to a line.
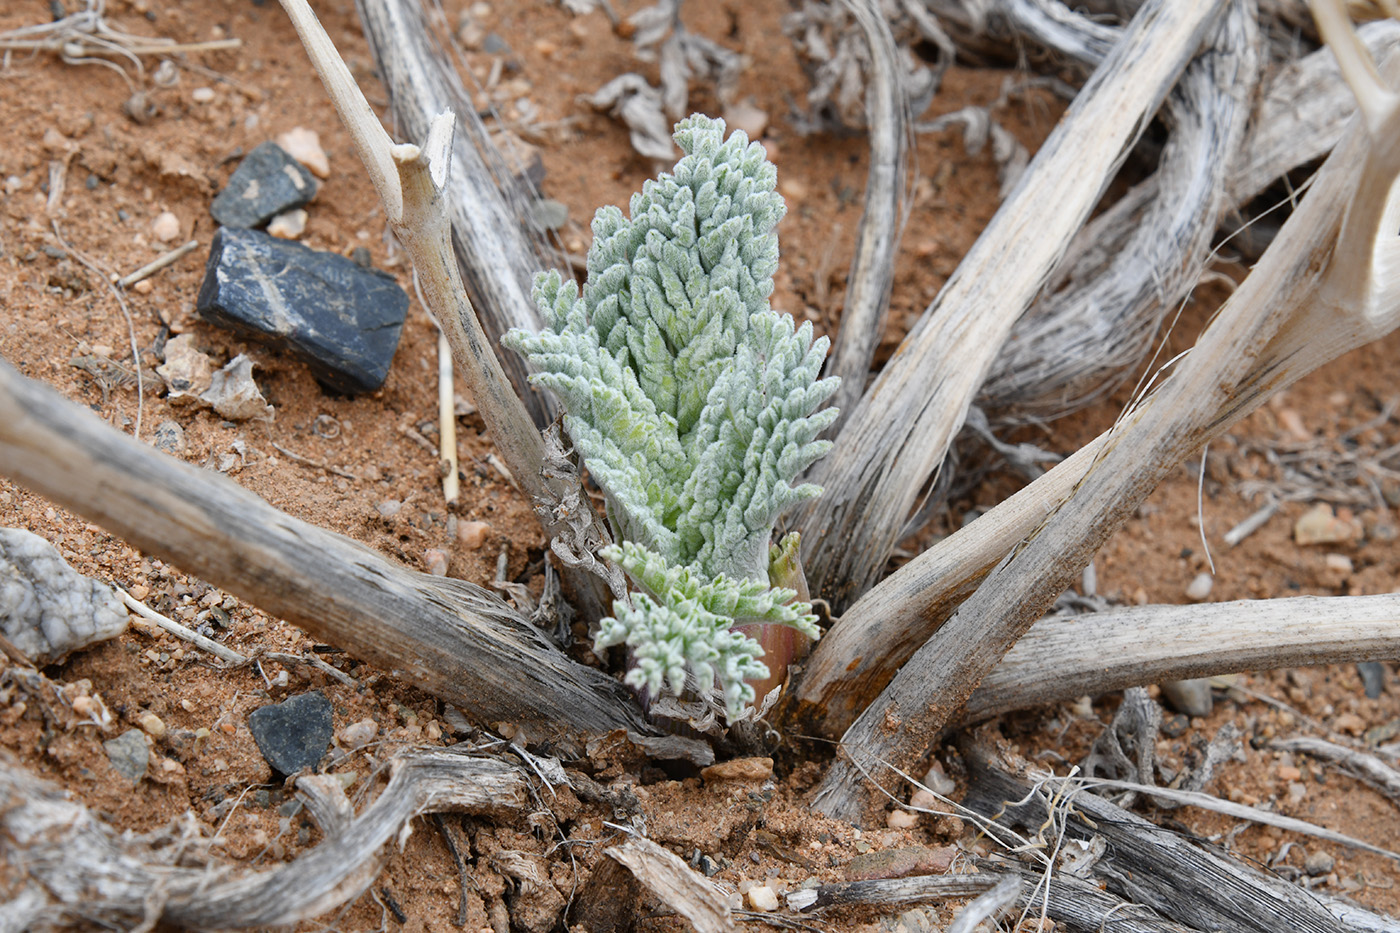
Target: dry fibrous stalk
1064	657
903	427
495	251
872	268
1324	286
448	637
878	634
410	181
66	866
1185	884
1134	264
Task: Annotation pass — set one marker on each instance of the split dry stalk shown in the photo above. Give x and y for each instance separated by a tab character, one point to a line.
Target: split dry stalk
1064	657
445	636
410	181
70	867
495	253
898	435
1327	284
877	240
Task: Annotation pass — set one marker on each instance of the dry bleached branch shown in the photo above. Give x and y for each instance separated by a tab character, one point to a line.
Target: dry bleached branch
902	428
411	181
1326	285
860	655
66	866
448	637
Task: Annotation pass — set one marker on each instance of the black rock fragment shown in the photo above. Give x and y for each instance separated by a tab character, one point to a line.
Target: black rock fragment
343	320
295	733
264	185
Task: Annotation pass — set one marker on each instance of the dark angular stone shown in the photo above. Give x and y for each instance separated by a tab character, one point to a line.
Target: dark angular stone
341	319
264	185
295	733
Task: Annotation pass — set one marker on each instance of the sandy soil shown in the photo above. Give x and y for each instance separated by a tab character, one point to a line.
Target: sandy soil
122	174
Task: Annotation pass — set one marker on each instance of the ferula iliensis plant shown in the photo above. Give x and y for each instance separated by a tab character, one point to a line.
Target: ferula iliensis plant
694	406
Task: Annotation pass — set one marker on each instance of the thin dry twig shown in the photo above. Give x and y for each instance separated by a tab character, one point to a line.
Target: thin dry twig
155	265
222	652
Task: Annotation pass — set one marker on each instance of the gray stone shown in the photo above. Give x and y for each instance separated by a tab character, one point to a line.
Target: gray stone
1191	697
129	754
266	183
295	733
550	214
170	438
342	320
1319	863
47	608
1372	678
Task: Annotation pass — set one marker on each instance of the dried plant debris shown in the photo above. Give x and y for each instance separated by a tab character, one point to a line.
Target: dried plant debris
836	56
86	37
48	609
682	56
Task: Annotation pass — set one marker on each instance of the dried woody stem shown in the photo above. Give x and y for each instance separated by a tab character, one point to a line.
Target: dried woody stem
410	182
900	432
1326	285
861	654
872	268
448	637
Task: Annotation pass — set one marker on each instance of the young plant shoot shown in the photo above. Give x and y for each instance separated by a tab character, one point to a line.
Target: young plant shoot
694	405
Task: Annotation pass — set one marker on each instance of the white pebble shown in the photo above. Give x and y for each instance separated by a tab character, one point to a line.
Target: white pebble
747	117
473	534
202	95
288	225
435	561
1200	587
902	819
359	733
165	227
305	146
763	898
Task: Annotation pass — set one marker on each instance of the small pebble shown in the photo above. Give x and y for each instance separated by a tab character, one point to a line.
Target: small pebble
1191	697
1199	589
389	508
359	734
1290	773
202	95
902	819
1319	525
794	191
1319	863
1350	723
473	534
288	225
139	591
550	214
84	705
129	754
165	227
169	437
763	898
435	560
153	725
1372	678
1338	563
295	733
1292	422
305	146
739	769
745	116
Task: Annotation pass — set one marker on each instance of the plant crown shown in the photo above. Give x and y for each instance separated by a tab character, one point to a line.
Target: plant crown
694	406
